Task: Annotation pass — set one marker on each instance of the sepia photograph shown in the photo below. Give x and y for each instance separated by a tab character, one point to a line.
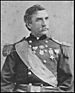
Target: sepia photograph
37	46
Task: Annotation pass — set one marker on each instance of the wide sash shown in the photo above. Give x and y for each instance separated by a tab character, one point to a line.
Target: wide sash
32	61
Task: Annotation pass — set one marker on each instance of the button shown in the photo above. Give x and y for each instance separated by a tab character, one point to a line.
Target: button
34	52
30	46
45	50
15	83
46	45
37	38
30	41
29	73
44	61
29	67
30	84
46	41
41	85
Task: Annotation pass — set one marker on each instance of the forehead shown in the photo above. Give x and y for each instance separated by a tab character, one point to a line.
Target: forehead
38	14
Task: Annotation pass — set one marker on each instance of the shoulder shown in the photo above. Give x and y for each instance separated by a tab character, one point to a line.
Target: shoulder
10	48
65	47
64	44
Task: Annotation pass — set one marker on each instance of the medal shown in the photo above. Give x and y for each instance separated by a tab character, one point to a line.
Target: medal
41	52
51	53
41	47
56	51
34	48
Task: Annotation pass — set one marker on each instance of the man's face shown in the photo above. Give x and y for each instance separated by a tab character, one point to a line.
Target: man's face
40	23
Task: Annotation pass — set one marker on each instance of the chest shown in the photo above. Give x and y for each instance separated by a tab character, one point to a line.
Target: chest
45	49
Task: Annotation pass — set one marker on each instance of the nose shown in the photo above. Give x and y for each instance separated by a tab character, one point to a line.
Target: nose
44	22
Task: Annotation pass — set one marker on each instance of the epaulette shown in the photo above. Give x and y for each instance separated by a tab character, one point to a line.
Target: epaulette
66	44
9	48
61	43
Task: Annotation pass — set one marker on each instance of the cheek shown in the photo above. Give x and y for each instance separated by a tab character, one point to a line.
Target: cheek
37	25
47	22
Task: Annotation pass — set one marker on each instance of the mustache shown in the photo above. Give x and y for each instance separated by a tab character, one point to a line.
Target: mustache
45	29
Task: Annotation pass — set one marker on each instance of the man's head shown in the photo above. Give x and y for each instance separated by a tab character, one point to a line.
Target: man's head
36	19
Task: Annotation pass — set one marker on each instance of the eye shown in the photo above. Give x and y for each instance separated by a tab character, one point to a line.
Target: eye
46	18
38	19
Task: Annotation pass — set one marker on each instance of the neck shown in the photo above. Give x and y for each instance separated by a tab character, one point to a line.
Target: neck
38	36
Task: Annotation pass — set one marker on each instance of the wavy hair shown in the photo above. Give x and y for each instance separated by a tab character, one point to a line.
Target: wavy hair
30	11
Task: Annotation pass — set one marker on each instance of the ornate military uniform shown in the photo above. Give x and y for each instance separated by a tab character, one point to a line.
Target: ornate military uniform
36	64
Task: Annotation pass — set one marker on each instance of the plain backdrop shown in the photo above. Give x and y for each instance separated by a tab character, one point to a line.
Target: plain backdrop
13	28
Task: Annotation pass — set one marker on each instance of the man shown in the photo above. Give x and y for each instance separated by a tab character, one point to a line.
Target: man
36	63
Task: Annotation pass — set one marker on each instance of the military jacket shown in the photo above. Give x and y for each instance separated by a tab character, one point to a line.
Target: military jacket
52	54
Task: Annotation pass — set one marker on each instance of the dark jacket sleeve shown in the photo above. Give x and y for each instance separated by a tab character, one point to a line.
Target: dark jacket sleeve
65	75
7	74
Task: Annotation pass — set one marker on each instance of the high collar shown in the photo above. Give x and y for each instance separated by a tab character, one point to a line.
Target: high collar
33	38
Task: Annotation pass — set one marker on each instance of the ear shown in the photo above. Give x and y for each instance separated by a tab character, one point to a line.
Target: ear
29	25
